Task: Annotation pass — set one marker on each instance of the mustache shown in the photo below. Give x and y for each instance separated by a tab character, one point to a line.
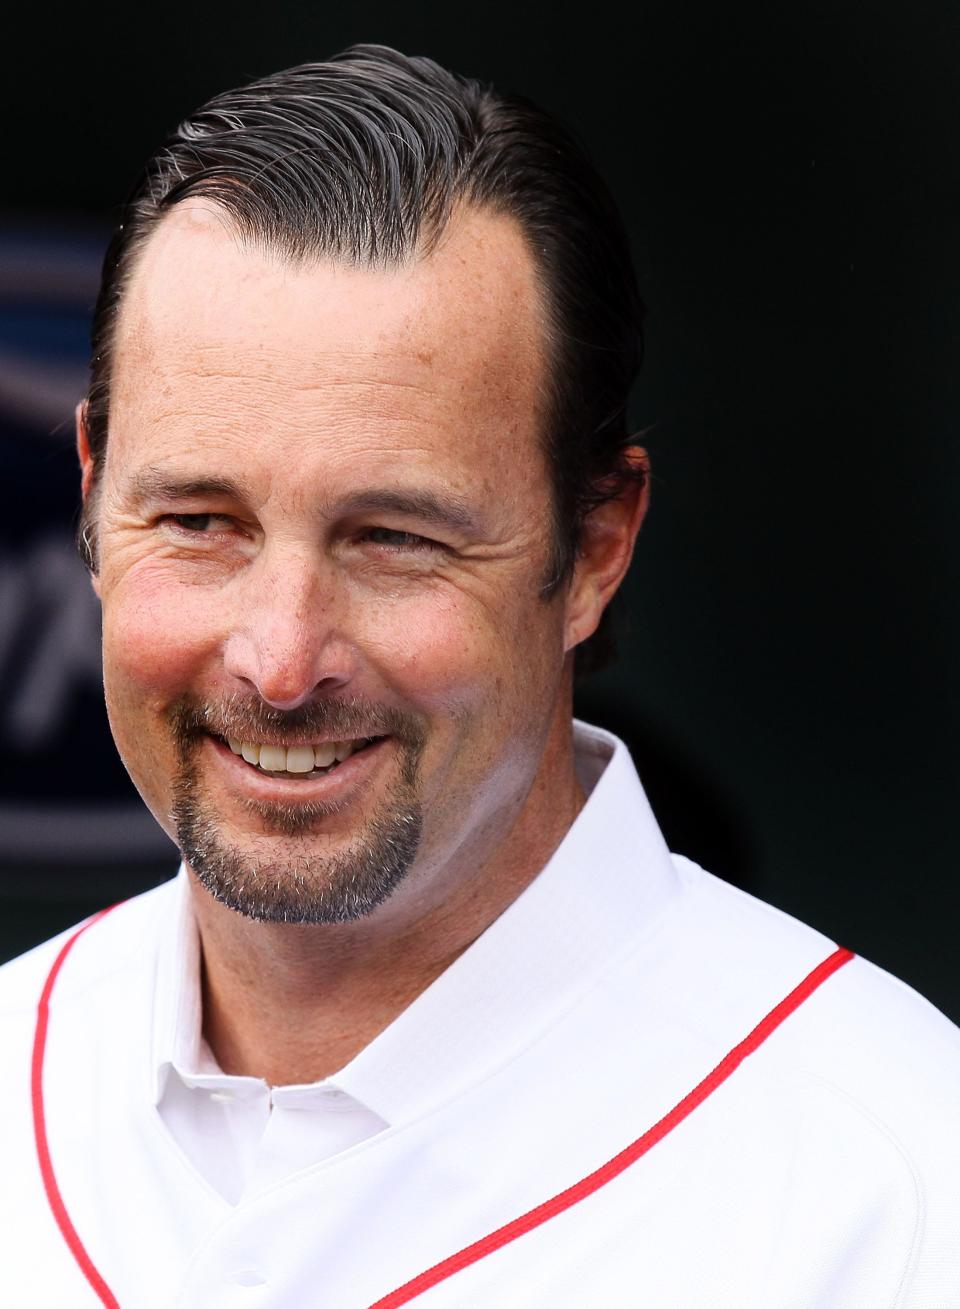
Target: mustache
247	718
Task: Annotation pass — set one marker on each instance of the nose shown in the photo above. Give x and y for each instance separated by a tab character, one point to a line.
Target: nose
287	641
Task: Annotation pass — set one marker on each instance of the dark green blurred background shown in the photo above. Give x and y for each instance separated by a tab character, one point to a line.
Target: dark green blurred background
790	635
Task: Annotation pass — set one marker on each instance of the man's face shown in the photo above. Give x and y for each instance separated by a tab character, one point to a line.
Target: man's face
325	516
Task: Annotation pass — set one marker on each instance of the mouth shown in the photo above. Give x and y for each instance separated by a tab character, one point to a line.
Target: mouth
301	761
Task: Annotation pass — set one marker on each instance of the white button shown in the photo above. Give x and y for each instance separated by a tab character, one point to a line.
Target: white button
246	1277
331	1093
224	1097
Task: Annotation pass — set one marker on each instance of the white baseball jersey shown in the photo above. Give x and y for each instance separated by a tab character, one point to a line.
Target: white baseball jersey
639	1087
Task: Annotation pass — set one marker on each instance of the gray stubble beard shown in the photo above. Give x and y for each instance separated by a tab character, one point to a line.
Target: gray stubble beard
301	885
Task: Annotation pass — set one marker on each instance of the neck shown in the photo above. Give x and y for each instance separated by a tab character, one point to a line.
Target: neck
294	1003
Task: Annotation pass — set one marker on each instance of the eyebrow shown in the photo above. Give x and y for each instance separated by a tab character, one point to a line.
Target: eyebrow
445	510
439	510
154	484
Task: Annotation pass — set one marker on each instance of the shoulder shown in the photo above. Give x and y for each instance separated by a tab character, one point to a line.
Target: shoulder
867	1028
100	946
864	1070
729	923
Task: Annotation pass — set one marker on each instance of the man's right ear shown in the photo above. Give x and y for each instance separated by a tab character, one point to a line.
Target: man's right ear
83	449
86	481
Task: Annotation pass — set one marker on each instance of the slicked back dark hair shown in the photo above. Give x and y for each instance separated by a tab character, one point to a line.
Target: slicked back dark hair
362	158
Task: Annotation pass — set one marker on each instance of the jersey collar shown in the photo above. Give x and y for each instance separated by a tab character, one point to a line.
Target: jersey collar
604	890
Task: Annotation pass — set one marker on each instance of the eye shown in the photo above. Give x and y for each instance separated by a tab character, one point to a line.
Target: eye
193	523
397	540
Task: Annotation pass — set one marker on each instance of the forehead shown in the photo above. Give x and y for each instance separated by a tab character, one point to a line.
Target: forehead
224	343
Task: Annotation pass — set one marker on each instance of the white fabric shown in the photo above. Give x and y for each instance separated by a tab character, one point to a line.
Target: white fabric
242	1134
822	1173
239	1132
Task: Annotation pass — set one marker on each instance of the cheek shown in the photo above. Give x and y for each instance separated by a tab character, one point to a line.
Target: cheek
152	646
153	638
457	658
429	652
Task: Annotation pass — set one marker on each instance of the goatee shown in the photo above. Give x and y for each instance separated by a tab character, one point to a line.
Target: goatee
298	883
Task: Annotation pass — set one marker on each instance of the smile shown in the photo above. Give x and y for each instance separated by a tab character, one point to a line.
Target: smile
298	760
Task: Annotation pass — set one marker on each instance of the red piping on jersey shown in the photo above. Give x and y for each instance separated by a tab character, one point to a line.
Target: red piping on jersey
486	1245
594	1181
54	1198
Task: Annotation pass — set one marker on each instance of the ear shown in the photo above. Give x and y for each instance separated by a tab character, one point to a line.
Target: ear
83	450
606	548
87	469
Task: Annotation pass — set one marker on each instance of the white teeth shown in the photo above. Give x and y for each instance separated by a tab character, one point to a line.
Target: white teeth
299	758
294	758
273	758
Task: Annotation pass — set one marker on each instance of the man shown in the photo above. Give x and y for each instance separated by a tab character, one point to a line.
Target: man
430	1013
